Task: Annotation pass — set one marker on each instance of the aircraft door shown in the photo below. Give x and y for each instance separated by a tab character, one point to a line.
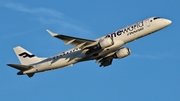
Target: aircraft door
147	22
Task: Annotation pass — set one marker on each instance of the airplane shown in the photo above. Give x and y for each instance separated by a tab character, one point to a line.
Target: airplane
103	49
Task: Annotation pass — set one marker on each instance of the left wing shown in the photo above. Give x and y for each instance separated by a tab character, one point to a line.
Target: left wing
77	42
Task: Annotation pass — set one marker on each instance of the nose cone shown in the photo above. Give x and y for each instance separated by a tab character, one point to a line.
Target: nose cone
167	21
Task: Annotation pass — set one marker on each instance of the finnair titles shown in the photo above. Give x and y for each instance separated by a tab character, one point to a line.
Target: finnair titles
104	49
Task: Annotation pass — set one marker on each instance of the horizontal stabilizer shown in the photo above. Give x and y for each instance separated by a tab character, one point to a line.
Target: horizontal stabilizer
20	67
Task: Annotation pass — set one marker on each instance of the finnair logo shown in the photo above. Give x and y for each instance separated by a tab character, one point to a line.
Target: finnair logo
24	55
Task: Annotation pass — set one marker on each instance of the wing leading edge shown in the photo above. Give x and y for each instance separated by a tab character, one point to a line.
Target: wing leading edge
77	42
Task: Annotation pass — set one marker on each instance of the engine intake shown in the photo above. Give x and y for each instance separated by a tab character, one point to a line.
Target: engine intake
106	42
123	52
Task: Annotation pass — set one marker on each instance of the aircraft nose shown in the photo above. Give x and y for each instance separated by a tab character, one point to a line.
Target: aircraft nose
167	21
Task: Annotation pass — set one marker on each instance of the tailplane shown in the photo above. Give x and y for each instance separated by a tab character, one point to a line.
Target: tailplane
22	68
25	57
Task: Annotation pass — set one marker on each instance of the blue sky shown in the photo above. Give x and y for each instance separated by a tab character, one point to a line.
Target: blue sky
150	73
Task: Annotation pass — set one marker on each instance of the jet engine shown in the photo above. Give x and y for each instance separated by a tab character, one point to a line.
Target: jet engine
106	42
123	52
103	43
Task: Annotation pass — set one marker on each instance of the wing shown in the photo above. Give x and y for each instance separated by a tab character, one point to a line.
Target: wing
77	42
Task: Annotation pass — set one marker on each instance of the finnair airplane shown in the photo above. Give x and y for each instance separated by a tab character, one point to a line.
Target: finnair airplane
103	49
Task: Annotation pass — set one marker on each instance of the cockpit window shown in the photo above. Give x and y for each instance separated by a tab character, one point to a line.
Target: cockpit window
157	18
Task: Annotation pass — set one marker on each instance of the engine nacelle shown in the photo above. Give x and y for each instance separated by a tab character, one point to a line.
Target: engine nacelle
103	43
106	42
123	52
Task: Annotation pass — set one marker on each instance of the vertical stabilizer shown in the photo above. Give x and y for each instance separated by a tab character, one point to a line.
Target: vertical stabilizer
26	57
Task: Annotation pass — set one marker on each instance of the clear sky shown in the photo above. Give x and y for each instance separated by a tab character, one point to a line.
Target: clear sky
150	73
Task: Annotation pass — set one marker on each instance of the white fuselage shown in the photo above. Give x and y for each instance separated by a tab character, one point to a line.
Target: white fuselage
120	38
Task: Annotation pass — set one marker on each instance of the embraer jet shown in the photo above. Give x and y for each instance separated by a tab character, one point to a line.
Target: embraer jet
103	49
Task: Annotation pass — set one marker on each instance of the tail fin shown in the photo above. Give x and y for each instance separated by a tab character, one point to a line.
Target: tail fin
25	57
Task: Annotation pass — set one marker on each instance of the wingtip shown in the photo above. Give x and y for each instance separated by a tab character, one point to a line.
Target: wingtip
51	33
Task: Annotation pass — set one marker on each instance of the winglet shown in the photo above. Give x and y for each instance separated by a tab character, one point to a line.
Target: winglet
51	33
